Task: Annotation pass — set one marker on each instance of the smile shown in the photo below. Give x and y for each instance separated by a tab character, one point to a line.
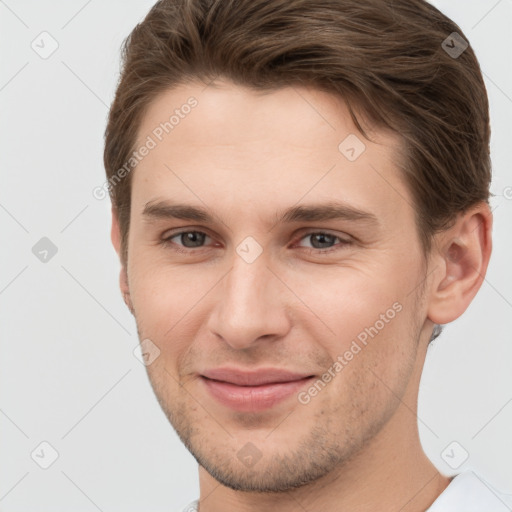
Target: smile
252	398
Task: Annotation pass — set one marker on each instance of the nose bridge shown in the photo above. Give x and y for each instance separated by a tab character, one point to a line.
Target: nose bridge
248	304
248	283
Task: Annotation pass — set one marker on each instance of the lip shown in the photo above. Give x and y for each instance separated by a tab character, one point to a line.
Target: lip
252	391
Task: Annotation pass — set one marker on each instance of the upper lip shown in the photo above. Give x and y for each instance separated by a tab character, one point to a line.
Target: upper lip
253	377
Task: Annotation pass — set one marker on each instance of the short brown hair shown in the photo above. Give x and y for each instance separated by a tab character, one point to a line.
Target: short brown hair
385	58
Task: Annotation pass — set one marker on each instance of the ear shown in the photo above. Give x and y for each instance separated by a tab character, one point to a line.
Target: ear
115	235
462	256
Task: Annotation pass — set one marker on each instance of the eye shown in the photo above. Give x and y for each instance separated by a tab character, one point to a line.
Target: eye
320	240
187	239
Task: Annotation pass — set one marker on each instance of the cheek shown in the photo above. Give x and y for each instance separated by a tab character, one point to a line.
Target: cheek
170	304
371	364
349	300
366	322
163	292
161	299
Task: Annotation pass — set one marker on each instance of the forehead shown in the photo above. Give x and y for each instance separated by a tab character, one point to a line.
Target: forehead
238	145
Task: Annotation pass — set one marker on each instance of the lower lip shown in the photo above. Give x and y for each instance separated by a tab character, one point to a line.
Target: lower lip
253	398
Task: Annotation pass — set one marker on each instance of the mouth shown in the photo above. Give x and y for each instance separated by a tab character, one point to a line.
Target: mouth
251	392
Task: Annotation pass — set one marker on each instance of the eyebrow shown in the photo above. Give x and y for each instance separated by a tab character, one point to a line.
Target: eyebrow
305	213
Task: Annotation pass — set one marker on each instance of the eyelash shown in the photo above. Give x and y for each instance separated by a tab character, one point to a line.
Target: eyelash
166	242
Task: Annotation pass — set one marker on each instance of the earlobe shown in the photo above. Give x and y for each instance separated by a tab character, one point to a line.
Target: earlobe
115	235
115	232
463	255
125	290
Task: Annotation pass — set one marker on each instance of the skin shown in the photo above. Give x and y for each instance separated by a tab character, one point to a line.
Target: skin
245	156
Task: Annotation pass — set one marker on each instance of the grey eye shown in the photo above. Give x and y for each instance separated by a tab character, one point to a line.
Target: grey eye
191	238
321	240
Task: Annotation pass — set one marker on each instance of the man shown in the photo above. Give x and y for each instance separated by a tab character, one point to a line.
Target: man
300	201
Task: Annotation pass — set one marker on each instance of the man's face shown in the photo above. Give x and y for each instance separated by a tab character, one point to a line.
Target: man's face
245	289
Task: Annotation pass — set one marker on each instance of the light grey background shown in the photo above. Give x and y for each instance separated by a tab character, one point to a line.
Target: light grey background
68	374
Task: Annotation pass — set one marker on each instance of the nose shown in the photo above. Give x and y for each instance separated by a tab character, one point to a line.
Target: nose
249	305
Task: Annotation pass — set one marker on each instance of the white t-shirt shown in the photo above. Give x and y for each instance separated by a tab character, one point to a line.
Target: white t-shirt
467	492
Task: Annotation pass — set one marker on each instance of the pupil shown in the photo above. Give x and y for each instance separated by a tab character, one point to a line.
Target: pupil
192	239
323	240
